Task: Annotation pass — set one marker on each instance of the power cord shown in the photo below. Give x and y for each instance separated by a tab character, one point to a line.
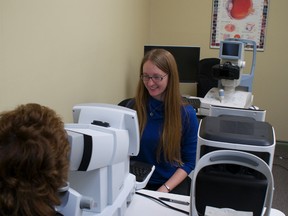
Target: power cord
281	166
281	158
163	203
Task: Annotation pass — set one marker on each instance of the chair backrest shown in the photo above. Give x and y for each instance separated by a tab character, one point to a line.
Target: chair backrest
126	103
211	188
205	81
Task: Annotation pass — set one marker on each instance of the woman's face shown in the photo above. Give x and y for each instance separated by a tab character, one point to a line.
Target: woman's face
155	80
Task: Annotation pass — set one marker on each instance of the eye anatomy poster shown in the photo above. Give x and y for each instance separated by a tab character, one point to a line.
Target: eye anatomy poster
245	19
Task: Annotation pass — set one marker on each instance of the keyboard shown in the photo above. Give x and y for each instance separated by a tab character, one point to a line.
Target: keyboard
195	102
140	170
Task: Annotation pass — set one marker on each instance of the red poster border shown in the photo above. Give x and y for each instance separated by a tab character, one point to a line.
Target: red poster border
218	33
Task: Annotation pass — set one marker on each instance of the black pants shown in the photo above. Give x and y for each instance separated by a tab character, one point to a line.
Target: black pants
183	188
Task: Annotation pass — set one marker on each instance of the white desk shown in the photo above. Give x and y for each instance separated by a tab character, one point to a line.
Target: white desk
142	206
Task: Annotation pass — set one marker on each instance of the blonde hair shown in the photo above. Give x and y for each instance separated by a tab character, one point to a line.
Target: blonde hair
171	135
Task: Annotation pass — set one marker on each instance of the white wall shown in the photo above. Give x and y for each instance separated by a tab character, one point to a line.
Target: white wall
63	52
189	23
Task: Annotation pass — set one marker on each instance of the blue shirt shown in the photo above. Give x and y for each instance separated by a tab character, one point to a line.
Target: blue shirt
150	140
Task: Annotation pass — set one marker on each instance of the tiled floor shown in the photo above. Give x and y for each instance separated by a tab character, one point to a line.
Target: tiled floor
280	174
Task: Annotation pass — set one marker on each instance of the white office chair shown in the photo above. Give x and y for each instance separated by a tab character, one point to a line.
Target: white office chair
242	159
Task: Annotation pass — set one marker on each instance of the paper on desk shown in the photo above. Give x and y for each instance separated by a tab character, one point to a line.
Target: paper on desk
212	211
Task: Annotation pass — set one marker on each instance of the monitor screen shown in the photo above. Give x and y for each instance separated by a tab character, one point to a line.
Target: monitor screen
230	50
187	59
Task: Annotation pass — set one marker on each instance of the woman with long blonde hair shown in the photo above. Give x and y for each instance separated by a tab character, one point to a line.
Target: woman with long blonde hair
168	126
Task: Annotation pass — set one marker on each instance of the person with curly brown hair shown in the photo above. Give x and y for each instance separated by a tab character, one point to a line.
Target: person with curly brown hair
34	160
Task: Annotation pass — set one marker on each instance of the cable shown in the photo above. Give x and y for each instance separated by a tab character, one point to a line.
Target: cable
281	157
163	203
279	165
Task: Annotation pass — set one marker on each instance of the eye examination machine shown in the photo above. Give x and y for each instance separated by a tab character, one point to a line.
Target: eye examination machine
102	140
235	147
233	165
231	92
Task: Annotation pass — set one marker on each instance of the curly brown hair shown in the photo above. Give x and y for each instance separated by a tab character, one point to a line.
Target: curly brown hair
33	160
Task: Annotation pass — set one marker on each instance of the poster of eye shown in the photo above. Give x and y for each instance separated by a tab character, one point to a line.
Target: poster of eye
245	19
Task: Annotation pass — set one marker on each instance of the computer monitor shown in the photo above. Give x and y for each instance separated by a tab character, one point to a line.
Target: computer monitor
187	59
232	50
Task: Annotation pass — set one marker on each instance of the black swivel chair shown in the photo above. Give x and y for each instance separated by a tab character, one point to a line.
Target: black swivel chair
124	102
205	81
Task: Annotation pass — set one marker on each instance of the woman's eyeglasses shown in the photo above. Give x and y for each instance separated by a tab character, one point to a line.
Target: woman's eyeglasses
155	78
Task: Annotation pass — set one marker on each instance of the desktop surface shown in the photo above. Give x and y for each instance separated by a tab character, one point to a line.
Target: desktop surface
143	206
